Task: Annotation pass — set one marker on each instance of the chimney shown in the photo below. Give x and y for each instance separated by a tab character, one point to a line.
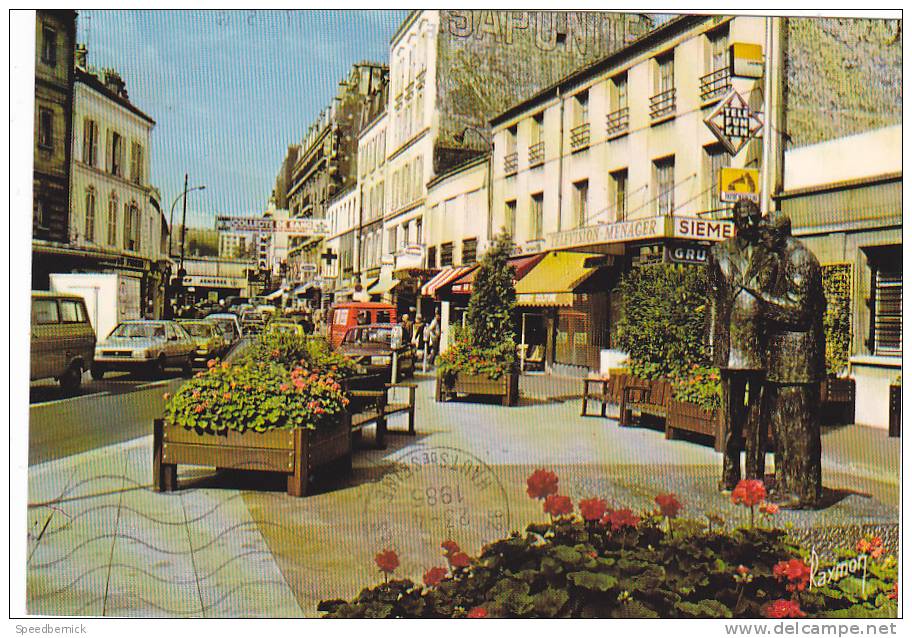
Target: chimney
81	56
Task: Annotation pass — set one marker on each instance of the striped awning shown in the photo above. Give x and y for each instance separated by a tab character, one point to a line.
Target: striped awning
442	278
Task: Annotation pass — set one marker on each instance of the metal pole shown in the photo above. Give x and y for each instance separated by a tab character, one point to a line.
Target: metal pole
183	224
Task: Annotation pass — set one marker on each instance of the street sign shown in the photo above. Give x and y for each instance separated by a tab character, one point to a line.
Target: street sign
733	122
739	183
746	60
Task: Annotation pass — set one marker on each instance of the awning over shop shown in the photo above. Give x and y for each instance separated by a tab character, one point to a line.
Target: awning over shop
552	280
521	267
300	290
442	278
382	286
275	294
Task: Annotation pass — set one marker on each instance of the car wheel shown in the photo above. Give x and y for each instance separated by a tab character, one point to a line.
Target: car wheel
98	372
158	368
72	378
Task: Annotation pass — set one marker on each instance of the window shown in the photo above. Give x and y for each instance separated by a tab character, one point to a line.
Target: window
90	142
136	163
619	192
581	108
419	238
44	311
510	155
38	213
619	94
718	49
717	81
662	103
49	46
885	339
391	241
115	153
45	128
432	257
715	159
664	80
469	251
112	220
90	214
538	122
536	145
510	140
510	217
580	203
663	179
128	227
71	312
536	215
446	254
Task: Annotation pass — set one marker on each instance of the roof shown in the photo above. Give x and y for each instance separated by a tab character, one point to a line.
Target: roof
92	81
644	42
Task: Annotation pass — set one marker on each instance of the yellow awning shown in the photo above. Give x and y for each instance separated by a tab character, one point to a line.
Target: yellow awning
552	281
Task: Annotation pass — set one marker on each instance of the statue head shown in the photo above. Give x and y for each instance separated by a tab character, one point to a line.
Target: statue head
747	218
775	229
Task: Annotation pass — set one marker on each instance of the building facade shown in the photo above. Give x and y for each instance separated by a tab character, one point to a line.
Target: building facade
55	39
337	264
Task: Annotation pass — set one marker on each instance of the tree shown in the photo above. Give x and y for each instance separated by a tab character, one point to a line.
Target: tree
490	313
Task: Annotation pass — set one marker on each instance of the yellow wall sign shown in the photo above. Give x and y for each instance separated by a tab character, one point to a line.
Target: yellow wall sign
746	60
739	183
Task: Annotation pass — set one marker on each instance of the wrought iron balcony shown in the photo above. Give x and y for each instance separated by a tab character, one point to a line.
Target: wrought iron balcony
618	122
715	85
579	137
511	162
537	154
662	104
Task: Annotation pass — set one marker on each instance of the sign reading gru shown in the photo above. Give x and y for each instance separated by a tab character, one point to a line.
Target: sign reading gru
583	32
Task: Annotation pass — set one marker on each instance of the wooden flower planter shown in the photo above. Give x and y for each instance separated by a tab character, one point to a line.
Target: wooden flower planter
506	387
690	417
837	400
296	452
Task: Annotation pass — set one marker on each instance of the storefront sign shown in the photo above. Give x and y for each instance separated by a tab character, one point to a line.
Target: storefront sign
308	227
739	183
687	253
733	122
293	227
545	299
704	229
746	60
632	230
214	282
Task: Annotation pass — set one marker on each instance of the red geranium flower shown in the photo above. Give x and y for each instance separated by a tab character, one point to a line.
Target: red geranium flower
449	547
769	508
592	509
387	561
434	575
748	492
619	519
894	595
557	505
199	409
794	572
459	559
668	505
477	612
783	609
742	570
211	363
541	484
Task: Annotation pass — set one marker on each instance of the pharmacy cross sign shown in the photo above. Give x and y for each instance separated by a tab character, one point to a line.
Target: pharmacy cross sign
734	123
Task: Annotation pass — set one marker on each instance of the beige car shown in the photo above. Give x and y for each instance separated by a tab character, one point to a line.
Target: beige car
62	338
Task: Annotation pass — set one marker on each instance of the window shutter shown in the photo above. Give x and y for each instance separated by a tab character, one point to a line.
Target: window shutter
888	313
87	141
109	152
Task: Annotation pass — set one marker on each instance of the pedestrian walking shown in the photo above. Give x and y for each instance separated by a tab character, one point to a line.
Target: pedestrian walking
432	337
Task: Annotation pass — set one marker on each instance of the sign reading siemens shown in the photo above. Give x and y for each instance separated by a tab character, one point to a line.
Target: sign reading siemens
705	229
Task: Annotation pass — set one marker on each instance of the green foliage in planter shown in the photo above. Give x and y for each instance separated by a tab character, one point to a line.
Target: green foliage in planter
700	385
256	396
662	324
292	350
837	320
487	346
569	568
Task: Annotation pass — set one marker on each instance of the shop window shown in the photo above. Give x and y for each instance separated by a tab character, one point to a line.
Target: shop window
885	336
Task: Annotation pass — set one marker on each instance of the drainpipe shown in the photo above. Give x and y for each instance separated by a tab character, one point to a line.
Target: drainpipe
560	161
490	178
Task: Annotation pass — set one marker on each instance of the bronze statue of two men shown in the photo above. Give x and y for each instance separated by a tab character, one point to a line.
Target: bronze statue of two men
766	335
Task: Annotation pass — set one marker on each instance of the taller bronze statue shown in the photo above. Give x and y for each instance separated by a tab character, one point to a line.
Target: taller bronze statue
737	340
793	305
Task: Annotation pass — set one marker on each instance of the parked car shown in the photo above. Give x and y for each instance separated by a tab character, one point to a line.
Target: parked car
62	338
252	322
344	316
145	346
229	324
284	326
372	347
210	340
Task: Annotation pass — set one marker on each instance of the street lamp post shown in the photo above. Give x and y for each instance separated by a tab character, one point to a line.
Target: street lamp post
183	196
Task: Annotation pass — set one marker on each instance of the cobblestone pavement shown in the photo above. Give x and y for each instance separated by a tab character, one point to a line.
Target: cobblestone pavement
102	543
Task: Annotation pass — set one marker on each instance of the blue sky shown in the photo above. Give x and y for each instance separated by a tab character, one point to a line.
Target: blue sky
230	90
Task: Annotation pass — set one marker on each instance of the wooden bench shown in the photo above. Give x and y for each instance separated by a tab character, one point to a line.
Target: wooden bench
375	407
645	397
607	391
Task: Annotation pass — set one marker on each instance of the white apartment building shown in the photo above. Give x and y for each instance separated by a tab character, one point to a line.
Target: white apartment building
343	217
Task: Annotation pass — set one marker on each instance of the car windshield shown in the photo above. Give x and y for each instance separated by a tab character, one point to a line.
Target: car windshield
139	330
285	328
369	335
251	316
225	325
198	329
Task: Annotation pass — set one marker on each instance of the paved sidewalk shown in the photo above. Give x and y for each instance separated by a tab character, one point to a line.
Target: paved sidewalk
101	542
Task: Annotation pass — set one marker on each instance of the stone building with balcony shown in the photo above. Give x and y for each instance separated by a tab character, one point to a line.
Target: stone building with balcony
55	41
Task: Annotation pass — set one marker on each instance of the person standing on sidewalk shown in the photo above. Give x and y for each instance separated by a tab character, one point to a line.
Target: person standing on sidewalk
432	337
